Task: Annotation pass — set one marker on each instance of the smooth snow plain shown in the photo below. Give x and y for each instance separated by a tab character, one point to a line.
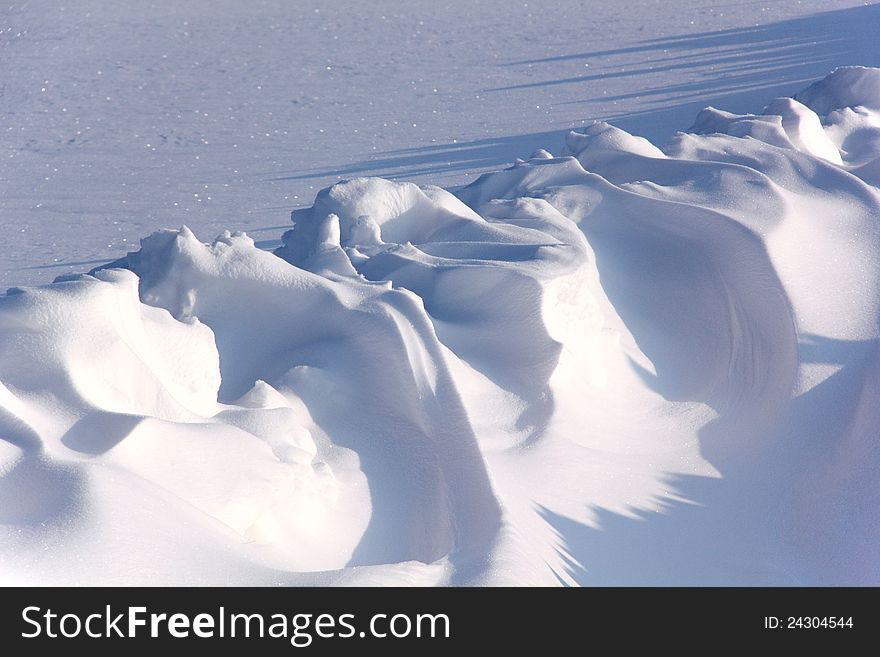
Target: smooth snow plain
615	363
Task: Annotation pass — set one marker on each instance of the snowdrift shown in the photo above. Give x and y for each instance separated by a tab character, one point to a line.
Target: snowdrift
622	365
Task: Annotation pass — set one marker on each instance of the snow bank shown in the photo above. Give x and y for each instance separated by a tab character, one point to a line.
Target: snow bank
847	86
622	365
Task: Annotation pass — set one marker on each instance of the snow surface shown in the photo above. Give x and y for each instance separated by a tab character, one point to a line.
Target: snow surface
622	364
639	356
120	118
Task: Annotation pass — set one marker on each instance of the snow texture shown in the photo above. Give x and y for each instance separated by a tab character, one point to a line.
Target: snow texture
619	364
119	118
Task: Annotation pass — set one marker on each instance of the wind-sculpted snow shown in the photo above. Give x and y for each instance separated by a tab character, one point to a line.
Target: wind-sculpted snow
623	365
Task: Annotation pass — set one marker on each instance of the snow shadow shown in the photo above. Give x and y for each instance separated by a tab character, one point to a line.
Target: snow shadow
456	157
741	528
750	67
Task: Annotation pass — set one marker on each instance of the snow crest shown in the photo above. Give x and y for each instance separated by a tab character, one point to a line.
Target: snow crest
623	365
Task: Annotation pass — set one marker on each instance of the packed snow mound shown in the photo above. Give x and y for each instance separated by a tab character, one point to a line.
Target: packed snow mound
623	365
846	87
372	211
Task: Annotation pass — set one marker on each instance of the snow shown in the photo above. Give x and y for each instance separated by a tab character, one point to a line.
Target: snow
119	120
636	357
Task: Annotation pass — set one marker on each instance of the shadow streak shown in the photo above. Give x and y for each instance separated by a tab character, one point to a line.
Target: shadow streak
802	518
749	66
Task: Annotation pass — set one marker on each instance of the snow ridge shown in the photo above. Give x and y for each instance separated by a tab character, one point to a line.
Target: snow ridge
623	365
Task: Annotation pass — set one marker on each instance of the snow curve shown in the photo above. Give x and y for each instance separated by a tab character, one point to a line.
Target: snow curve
623	365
